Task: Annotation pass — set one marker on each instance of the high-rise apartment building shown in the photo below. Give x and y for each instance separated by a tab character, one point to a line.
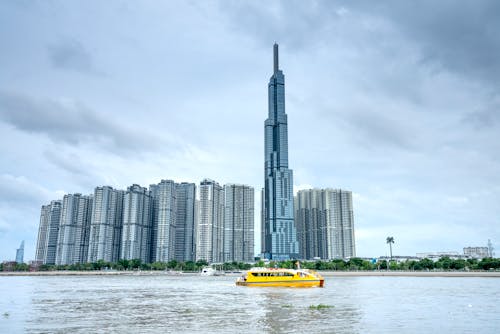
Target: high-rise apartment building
280	234
136	228
209	230
52	232
164	220
72	244
105	225
41	243
82	230
325	224
185	234
238	237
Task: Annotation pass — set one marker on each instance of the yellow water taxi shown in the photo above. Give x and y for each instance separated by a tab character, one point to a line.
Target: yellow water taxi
281	277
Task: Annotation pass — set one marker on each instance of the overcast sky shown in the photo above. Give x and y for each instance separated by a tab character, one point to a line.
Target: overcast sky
397	101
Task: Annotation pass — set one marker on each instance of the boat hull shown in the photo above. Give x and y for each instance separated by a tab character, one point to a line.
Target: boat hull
298	284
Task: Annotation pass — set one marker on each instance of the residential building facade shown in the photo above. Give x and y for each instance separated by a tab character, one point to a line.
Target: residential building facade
185	233
325	224
136	228
72	245
43	229
106	225
238	237
164	220
52	232
209	230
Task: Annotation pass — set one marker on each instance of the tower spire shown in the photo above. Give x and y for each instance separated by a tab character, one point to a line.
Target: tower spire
276	58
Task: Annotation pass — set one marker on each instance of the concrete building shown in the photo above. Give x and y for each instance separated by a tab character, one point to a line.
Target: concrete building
185	233
136	228
209	230
105	225
280	240
52	232
72	244
41	244
477	252
238	223
325	224
164	220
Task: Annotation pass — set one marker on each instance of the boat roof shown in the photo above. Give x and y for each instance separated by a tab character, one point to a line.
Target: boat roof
262	269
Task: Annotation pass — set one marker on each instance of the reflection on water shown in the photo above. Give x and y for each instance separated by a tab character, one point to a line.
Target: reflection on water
171	304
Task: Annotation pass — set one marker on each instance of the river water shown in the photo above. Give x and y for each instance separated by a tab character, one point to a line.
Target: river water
189	304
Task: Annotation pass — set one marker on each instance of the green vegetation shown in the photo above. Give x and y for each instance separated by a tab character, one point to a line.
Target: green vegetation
135	264
319	307
354	264
445	263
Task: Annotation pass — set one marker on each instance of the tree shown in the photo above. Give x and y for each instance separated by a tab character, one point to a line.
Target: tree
390	241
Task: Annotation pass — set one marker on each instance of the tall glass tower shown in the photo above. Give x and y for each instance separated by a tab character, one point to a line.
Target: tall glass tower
280	240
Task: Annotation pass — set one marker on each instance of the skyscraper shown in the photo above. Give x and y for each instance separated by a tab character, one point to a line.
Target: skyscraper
136	229
105	225
325	224
209	230
238	223
20	253
164	220
280	234
41	243
185	233
72	244
82	229
52	232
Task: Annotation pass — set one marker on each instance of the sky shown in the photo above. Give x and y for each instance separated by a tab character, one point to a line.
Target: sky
396	101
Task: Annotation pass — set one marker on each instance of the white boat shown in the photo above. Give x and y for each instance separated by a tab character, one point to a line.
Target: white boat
208	271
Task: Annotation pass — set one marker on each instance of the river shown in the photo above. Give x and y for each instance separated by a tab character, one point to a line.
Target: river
194	304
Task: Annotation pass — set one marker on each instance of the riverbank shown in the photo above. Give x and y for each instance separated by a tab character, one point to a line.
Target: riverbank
412	273
324	273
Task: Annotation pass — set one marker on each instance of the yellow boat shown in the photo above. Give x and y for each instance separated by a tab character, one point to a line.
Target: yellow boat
281	277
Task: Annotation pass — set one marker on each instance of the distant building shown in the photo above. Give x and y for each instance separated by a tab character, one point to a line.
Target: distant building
20	253
209	230
477	252
43	229
52	232
435	256
164	220
325	224
238	223
185	218
136	229
105	225
72	244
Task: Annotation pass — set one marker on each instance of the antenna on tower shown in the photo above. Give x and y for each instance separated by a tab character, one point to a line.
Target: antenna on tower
276	58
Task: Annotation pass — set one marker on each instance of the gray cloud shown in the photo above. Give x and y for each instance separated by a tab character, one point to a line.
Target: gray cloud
70	54
70	163
373	129
459	37
295	23
19	190
485	117
462	38
73	123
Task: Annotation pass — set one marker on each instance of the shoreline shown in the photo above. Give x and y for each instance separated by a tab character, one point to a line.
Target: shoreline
491	274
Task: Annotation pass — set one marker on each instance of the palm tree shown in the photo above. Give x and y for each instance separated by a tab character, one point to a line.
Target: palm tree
390	241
